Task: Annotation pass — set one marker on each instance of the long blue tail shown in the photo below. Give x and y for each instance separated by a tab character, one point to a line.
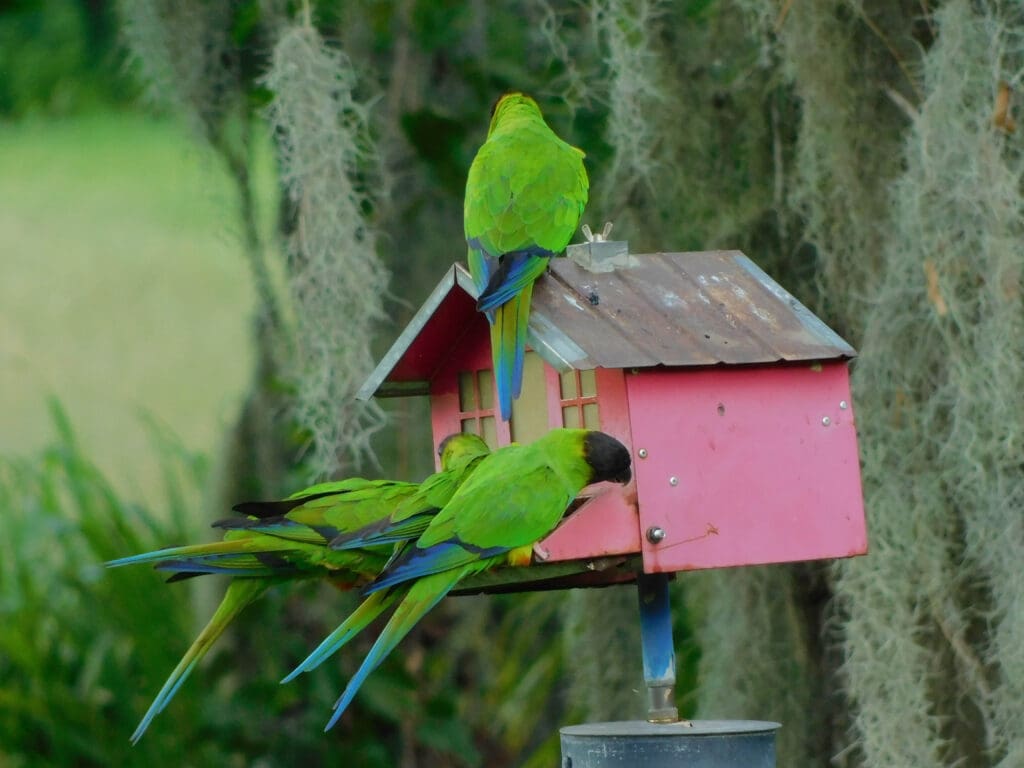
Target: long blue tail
240	593
178	553
422	596
506	301
372	607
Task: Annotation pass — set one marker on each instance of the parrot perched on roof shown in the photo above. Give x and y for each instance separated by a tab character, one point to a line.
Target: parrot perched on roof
285	541
525	195
514	498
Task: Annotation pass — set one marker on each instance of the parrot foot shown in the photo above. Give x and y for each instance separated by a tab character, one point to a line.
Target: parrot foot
540	552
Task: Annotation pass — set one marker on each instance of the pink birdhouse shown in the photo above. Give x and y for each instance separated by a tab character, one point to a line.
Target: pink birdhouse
732	396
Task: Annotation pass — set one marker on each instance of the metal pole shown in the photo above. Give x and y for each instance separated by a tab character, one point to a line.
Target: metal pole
658	650
663	740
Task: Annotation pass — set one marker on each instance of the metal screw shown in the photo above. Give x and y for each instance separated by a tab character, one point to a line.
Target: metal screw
655	534
843	404
825	421
673	480
642	453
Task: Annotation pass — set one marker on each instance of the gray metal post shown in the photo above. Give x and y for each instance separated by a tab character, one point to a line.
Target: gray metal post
699	744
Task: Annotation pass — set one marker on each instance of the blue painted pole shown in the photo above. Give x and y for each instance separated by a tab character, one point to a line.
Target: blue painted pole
659	653
665	741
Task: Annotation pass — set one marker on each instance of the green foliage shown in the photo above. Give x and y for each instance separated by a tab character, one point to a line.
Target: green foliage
849	148
934	623
57	58
83	648
72	672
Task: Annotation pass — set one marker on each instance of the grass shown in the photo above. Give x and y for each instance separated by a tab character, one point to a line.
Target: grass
122	288
83	649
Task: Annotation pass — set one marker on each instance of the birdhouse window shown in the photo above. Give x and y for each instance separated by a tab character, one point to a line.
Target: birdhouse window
578	399
476	404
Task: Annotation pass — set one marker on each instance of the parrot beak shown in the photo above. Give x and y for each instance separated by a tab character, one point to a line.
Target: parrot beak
623	477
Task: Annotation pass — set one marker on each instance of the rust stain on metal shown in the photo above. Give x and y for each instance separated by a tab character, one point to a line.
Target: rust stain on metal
681	309
709	531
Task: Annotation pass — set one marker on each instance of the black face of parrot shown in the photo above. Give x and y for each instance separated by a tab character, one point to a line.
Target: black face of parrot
608	458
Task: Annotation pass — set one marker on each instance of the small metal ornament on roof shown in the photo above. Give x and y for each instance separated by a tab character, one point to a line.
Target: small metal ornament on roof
733	397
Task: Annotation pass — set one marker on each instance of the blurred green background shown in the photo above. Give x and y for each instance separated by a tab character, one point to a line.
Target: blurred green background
130	351
186	188
124	290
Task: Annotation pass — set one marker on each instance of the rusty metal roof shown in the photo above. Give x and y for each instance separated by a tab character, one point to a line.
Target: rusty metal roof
661	309
678	309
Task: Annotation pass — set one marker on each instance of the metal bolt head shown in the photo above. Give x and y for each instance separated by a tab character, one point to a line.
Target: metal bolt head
655	534
673	480
843	404
642	453
825	421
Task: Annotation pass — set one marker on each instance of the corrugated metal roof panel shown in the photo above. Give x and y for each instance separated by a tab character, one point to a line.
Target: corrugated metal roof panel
671	309
679	309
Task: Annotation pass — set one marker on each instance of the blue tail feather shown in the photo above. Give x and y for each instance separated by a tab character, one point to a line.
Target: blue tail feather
504	369
422	596
203	566
239	595
369	609
420	563
377	534
515	271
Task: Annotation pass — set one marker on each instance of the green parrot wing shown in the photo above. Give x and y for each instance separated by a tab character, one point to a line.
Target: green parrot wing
525	193
490	512
338	486
514	497
526	187
460	456
319	517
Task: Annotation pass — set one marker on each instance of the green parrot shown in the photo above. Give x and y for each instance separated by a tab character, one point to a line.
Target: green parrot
525	194
284	541
514	498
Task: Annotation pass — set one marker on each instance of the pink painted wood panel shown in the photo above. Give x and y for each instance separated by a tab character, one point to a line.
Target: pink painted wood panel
746	465
605	524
